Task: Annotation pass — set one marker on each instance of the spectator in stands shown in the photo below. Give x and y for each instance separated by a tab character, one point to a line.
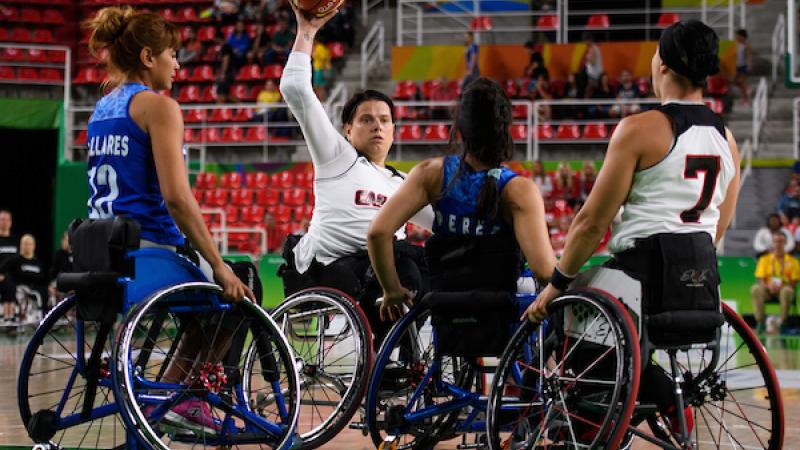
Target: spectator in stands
762	242
323	70
592	64
744	64
777	274
9	247
250	10
62	262
29	277
603	91
226	11
585	180
191	50
564	184
558	236
342	28
471	54
234	51
542	91
542	179
789	204
261	43
281	42
535	65
270	94
628	90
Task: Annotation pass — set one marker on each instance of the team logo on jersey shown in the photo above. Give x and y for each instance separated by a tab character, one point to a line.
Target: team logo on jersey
369	198
695	278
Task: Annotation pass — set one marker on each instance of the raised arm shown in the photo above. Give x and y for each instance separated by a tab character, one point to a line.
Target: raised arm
324	142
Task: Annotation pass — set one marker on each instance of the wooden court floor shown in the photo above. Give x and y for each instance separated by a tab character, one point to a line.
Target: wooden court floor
785	356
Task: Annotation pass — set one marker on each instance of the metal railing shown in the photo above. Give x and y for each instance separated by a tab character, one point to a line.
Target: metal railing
66	82
372	51
220	233
368	5
778	46
336	98
412	16
746	160
760	110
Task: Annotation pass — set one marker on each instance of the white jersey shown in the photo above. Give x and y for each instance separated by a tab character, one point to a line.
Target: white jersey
348	188
681	193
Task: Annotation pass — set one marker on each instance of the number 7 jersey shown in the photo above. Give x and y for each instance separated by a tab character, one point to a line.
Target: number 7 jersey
682	192
121	169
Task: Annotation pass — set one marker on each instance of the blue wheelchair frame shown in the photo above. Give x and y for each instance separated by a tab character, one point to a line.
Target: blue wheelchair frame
158	272
462	398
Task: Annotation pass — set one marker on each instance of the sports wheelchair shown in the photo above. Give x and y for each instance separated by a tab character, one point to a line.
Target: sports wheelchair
86	387
575	381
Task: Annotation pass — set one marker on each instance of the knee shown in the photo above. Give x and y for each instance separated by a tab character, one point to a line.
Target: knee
758	292
787	293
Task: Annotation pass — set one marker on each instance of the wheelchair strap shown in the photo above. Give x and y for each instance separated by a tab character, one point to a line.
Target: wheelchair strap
93	368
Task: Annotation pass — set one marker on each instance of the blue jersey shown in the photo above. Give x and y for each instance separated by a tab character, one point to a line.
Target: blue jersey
122	172
456	209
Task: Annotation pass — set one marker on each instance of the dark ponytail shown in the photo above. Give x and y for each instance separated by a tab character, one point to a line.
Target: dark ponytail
483	120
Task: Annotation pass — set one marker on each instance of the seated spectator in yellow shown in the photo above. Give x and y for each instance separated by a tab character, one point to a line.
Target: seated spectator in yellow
777	274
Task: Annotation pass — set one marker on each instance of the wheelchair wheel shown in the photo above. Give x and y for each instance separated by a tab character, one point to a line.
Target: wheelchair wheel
410	377
180	372
569	382
738	405
330	337
52	385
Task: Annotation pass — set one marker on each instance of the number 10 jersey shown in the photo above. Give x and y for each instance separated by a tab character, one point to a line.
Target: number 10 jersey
682	192
122	172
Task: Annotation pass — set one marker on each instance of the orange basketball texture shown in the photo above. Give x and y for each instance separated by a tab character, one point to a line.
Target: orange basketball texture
319	8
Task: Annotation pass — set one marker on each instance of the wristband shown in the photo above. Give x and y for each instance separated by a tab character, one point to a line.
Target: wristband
560	280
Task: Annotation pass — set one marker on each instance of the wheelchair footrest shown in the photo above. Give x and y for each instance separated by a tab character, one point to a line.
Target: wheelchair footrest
42	425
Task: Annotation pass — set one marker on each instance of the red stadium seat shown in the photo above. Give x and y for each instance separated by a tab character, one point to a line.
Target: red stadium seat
283	214
519	132
520	111
30	15
53	75
409	133
4	36
189	94
256	180
243	115
221	115
209	94
277	235
304	180
8	14
337	50
481	23
87	75
198	195
267	197
36	55
203	73
7	73
252	215
595	131
294	197
168	14
28	74
217	198
231	180
182	74
644	85
241	197
56	56
438	132
206	34
209	135
282	180
206	180
667	18
187	14
568	131
256	134
511	88
598	21
544	131
42	36
53	16
185	32
227	30
231	214
189	135
405	90
241	92
11	54
428	87
232	134
717	86
304	212
548	22
20	35
82	137
249	72
196	115
404	112
272	71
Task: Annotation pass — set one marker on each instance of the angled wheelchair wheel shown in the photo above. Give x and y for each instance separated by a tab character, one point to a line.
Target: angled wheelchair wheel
330	337
53	384
180	371
569	382
734	396
410	384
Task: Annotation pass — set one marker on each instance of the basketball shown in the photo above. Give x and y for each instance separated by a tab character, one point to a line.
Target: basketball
319	8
